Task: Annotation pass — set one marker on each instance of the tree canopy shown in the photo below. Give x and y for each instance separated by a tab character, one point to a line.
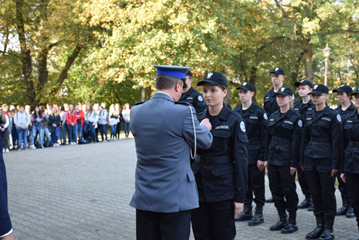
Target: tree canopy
104	51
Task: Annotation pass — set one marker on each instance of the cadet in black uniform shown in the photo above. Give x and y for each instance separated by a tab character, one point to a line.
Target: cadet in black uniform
270	104
221	171
345	109
192	96
282	156
321	144
302	106
256	121
5	222
350	173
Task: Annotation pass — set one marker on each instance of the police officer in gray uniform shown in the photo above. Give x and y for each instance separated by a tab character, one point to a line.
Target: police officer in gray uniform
256	121
321	142
165	187
192	96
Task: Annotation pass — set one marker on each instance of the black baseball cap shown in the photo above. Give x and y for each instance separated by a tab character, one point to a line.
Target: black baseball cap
286	91
344	88
318	89
304	82
278	71
356	91
189	73
214	78
246	86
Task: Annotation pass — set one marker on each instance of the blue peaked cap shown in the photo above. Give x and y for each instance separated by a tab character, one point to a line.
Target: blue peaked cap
172	71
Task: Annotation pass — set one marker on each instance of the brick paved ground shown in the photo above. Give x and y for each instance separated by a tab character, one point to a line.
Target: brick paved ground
82	192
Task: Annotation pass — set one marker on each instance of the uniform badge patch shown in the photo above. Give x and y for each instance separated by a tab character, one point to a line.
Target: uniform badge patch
265	116
209	75
339	118
282	89
243	126
244	84
300	123
200	98
316	86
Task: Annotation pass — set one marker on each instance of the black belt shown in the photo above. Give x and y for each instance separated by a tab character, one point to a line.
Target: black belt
213	160
281	139
253	139
319	139
354	144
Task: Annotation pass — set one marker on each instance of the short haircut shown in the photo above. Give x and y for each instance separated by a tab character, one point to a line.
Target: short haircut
166	82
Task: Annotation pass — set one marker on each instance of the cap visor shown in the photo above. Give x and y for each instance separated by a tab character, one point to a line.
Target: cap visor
244	88
284	94
207	81
315	92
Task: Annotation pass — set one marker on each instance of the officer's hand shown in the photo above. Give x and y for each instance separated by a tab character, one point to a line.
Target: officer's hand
8	237
334	171
293	170
205	122
238	208
260	165
266	164
342	176
2	129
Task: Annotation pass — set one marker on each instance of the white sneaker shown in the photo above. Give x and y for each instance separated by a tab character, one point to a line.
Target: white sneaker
7	150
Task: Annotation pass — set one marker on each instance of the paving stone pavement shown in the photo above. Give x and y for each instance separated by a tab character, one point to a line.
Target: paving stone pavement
83	192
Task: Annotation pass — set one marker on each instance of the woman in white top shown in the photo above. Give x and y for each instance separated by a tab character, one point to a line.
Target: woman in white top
113	120
92	118
126	117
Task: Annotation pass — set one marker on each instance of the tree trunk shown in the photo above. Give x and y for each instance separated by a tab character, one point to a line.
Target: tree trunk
309	72
253	80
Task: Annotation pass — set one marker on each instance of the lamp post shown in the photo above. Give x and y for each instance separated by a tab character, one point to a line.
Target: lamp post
326	51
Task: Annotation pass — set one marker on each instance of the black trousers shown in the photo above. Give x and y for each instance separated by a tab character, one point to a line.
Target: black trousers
302	179
353	190
255	186
283	188
342	186
163	226
214	221
322	188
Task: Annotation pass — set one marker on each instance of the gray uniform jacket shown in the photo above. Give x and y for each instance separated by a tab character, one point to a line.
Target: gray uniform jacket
163	134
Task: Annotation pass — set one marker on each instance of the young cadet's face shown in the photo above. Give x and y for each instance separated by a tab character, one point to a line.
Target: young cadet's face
213	95
356	100
303	90
283	100
319	99
244	95
343	97
277	80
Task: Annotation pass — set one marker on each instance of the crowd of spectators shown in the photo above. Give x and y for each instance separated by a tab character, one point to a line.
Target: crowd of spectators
59	125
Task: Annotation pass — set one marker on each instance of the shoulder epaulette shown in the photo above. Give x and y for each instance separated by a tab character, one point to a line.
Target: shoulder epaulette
182	103
138	103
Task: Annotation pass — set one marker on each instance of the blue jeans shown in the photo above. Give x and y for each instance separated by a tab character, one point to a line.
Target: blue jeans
103	130
113	130
63	134
72	133
33	134
127	128
79	131
22	136
55	134
92	132
47	133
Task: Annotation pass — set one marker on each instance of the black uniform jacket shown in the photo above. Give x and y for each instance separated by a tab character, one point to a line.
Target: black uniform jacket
193	97
322	139
351	134
283	139
256	121
223	181
301	108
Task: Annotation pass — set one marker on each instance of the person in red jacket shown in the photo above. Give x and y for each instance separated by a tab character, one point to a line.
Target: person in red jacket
80	116
71	122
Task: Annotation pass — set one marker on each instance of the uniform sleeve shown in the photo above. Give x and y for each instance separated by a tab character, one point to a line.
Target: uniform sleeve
203	135
295	141
304	142
240	142
336	136
200	105
263	136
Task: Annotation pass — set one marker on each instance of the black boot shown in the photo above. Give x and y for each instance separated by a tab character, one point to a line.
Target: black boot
245	215
257	218
306	203
311	207
343	210
291	226
281	223
318	230
350	212
328	230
